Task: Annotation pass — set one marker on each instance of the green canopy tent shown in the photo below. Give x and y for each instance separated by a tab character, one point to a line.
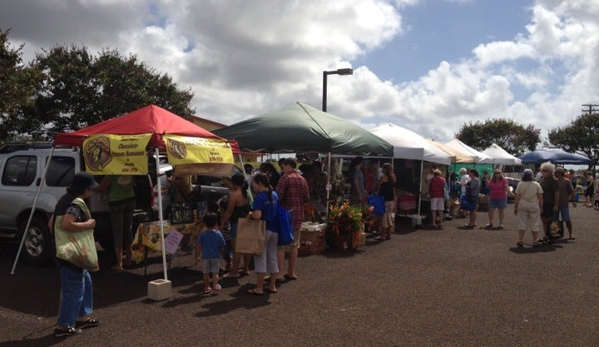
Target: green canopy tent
300	128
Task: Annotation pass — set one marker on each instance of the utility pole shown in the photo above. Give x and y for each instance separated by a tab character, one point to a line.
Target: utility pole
590	108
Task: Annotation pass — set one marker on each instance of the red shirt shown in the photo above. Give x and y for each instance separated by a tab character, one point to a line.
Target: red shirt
437	187
497	189
293	193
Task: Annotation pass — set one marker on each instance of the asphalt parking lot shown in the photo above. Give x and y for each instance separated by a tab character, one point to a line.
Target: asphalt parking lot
452	287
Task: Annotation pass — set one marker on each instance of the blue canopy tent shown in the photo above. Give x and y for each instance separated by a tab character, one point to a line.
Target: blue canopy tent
555	156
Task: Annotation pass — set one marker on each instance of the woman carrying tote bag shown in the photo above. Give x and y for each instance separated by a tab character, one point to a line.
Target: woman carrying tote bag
71	219
265	208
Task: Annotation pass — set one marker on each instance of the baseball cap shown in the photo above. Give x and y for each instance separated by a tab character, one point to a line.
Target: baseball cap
82	181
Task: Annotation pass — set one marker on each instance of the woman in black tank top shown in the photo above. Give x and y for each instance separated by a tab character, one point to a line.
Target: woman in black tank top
385	187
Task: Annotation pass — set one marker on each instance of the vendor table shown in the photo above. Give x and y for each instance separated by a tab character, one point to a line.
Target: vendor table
147	237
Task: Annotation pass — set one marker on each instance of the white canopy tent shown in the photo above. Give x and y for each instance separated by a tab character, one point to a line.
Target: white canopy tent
459	156
500	156
409	145
477	157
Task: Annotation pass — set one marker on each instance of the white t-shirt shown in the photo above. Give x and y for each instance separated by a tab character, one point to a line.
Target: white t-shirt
463	181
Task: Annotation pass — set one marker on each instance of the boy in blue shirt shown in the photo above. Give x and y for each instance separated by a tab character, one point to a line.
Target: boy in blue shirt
211	244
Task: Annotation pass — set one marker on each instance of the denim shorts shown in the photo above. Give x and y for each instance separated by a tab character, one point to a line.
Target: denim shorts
210	266
233	230
565	213
498	203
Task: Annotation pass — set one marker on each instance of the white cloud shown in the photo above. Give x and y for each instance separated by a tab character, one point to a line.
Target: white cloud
246	57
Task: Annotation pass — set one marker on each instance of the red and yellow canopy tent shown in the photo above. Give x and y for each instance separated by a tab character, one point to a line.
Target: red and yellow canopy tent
120	146
109	145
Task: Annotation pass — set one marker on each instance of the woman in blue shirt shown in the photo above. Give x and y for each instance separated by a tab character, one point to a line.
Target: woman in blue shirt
265	208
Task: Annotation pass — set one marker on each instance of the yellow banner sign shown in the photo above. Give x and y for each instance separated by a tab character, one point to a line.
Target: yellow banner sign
195	150
116	154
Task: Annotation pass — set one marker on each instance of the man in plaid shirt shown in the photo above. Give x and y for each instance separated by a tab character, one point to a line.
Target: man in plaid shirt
293	193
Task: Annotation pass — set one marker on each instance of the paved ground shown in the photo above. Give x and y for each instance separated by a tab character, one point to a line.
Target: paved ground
422	288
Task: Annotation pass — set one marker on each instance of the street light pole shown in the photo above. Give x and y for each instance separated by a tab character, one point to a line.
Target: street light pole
342	72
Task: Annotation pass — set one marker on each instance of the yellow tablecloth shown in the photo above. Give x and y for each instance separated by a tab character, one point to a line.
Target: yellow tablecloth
147	237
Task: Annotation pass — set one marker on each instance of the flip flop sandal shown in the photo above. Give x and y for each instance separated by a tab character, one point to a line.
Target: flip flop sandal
253	292
228	275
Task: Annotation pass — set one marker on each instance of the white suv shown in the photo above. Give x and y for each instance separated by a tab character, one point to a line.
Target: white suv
21	172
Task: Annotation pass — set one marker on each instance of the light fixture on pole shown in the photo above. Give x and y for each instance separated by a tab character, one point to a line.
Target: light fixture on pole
342	72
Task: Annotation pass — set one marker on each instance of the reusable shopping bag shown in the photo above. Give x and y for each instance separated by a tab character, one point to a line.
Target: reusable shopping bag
77	248
251	234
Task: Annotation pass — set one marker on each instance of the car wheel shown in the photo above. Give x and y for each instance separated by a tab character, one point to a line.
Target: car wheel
38	247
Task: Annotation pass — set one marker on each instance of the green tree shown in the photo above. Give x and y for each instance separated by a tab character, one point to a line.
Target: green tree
514	138
16	92
75	89
582	135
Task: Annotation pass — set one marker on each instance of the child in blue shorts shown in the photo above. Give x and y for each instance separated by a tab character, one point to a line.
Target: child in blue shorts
211	244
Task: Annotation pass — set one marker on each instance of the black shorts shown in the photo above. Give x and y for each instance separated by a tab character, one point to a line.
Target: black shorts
589	192
547	211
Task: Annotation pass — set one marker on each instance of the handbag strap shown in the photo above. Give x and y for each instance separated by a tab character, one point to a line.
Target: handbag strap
81	204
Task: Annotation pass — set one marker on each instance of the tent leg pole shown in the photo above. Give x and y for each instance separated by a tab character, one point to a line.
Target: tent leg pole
328	183
161	217
245	176
420	195
37	195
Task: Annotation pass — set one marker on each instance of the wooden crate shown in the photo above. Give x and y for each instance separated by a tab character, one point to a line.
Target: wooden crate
312	242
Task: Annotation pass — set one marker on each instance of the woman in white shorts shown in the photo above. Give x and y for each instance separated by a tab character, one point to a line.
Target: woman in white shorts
437	193
527	206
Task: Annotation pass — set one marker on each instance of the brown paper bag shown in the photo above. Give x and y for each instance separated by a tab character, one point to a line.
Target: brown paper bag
250	236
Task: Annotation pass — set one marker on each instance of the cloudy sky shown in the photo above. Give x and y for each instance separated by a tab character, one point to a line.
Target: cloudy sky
427	65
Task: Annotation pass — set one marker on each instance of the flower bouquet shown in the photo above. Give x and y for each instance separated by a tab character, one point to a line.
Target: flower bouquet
344	226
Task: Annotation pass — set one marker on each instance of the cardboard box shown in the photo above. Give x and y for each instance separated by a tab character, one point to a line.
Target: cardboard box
312	239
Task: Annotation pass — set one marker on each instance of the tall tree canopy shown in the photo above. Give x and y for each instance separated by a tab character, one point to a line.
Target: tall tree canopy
70	89
582	135
16	91
514	138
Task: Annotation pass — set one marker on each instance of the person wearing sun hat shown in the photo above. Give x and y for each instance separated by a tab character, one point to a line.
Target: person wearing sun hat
528	204
72	215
